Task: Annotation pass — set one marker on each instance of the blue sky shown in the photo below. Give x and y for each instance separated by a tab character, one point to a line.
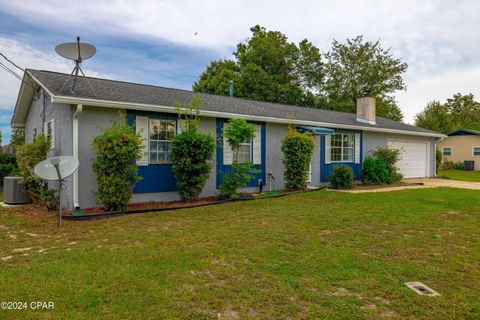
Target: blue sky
154	41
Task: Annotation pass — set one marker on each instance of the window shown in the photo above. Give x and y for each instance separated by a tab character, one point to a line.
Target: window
34	133
161	132
244	153
342	147
476	151
447	151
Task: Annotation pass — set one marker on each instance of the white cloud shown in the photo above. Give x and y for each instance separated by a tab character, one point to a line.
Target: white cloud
438	39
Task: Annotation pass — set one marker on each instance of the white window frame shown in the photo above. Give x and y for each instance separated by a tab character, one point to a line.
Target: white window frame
447	155
150	140
473	151
342	147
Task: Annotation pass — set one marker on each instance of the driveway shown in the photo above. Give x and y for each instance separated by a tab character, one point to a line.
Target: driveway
437	182
427	183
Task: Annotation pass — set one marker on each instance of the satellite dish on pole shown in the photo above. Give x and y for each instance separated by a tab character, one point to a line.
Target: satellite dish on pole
57	169
77	52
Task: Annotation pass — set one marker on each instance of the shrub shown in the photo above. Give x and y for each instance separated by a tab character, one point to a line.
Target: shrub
374	171
390	158
29	155
117	150
297	149
438	159
236	133
450	165
8	165
191	152
342	177
239	177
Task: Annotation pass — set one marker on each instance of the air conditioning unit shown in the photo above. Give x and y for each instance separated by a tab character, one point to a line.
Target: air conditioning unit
14	192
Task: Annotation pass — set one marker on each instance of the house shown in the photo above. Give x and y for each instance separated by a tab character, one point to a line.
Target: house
461	145
73	119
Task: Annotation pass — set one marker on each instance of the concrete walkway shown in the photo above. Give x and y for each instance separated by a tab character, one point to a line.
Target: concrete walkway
427	183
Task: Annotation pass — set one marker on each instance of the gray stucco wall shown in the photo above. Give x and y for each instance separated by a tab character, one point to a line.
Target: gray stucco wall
42	110
372	140
275	134
91	123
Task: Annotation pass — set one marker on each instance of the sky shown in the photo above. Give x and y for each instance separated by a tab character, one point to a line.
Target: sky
170	43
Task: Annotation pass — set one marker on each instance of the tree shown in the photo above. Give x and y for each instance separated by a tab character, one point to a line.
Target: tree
237	132
192	151
355	65
267	68
118	147
464	111
435	117
460	111
18	137
297	150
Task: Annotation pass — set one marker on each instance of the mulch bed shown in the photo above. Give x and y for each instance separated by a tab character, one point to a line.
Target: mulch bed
151	205
382	186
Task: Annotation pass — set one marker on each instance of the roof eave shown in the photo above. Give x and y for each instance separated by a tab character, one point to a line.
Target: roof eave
170	109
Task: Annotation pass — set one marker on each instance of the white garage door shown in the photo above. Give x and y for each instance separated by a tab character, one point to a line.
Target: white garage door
413	158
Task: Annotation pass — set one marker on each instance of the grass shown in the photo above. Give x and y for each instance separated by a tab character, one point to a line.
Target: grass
460	175
317	255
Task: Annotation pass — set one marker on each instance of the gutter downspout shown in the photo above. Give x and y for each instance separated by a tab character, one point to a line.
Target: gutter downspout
76	115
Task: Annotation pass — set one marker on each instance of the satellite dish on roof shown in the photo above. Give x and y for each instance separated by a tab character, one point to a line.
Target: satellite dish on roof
77	52
57	169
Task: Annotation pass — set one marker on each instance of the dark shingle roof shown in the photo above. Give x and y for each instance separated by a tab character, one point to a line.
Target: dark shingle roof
118	91
464	131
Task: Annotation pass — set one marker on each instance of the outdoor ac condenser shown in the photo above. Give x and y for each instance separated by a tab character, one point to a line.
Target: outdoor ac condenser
14	192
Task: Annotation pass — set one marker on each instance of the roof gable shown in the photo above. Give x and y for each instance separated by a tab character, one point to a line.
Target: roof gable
464	132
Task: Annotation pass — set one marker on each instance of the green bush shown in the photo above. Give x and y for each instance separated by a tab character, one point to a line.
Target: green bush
191	152
29	155
342	177
297	149
239	177
450	165
117	150
438	159
236	133
8	166
374	171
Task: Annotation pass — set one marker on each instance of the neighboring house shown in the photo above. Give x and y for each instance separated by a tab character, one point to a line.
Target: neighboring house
73	120
461	145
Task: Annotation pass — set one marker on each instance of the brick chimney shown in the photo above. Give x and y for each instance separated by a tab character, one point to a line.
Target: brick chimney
366	108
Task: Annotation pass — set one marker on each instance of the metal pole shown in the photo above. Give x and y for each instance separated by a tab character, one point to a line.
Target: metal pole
60	183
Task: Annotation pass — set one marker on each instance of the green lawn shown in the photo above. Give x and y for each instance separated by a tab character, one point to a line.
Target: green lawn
317	255
460	175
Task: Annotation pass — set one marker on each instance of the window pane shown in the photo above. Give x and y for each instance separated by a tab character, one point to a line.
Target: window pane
336	140
447	151
348	154
170	129
244	153
336	154
476	151
154	129
348	140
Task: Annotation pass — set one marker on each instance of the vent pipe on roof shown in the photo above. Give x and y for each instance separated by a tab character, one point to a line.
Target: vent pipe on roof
231	88
366	112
